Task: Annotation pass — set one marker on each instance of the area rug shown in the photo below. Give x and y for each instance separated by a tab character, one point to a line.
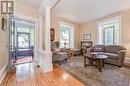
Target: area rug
90	76
24	60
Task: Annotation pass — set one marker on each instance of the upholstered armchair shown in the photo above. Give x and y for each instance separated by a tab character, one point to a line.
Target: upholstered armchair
58	56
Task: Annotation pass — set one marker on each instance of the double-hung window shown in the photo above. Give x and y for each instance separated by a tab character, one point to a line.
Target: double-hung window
66	35
109	32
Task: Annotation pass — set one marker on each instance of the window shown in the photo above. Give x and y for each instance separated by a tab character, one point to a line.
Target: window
109	32
66	35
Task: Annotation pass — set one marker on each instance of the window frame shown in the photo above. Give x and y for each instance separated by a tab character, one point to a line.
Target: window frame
99	31
71	33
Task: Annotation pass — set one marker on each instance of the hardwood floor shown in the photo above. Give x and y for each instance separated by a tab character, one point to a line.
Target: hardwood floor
28	75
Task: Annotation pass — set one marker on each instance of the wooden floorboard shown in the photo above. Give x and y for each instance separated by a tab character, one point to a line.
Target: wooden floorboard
28	75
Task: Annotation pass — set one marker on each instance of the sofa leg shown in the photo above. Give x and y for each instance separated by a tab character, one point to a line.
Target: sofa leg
119	66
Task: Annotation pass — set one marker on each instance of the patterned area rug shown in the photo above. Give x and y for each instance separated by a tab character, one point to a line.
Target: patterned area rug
90	76
24	60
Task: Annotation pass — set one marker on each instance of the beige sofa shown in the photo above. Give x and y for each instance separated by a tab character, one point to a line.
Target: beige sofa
115	53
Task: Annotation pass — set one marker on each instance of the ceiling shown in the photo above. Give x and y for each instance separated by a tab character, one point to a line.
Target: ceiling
32	3
86	10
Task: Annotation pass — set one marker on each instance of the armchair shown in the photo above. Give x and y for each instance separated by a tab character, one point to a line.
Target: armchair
58	56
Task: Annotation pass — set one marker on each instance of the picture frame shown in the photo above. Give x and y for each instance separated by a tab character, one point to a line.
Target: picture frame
4	24
52	34
86	36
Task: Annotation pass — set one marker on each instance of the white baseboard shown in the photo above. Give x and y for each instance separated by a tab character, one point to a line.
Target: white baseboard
3	72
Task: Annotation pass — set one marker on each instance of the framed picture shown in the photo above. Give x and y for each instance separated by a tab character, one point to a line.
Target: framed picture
52	33
86	36
4	24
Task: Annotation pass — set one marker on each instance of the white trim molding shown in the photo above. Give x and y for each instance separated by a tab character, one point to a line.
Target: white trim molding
3	72
105	21
45	56
109	19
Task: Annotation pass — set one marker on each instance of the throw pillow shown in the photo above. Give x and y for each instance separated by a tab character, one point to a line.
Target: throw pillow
98	49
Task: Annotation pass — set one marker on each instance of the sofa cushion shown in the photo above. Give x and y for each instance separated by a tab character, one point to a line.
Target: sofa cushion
113	48
60	56
111	56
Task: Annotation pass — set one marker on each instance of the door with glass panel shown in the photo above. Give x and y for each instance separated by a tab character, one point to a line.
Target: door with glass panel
23	44
24	40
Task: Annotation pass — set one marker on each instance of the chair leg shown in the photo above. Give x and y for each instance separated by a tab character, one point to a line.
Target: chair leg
59	63
66	59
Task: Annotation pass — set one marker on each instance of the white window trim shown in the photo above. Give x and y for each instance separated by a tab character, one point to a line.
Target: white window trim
106	21
72	30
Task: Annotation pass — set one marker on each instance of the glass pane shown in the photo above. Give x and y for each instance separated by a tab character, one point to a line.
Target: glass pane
109	32
27	30
65	37
23	41
109	36
32	36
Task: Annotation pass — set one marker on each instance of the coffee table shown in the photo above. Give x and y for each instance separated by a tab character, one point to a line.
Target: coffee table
95	60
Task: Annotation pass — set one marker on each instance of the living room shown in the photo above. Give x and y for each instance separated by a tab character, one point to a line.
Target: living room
88	27
90	44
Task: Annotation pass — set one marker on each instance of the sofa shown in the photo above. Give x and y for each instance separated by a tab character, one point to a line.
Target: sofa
58	55
115	53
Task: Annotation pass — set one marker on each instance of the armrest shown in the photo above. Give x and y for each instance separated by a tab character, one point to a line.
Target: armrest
54	52
121	56
121	53
65	49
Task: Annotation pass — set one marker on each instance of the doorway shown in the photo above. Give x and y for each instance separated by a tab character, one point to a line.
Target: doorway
24	41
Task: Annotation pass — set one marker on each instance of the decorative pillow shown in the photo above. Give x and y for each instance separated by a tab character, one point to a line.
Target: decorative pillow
56	50
98	49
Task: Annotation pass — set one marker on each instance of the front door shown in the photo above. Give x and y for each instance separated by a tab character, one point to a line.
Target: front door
23	44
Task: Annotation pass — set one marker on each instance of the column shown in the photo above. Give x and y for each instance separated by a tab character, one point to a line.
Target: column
38	39
47	29
46	55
